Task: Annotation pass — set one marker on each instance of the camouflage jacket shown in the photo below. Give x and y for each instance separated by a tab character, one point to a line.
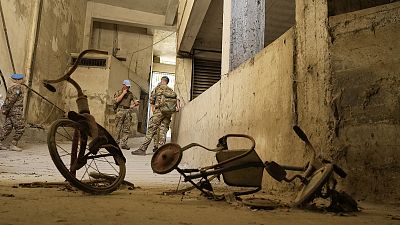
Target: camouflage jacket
126	100
14	103
155	96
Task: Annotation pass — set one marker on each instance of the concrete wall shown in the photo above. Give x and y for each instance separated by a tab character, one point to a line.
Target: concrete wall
254	99
129	40
183	79
100	85
93	82
365	53
18	20
60	33
161	67
118	71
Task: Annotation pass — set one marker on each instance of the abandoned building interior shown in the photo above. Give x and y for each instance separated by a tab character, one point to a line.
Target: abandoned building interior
253	67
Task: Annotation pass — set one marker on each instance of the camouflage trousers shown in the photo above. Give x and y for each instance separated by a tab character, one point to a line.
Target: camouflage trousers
123	121
157	129
15	121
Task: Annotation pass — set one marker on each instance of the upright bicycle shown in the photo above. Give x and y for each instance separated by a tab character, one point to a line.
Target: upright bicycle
84	152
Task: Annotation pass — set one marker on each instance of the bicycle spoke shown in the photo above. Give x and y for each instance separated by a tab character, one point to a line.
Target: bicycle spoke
93	167
64	155
64	136
111	165
63	149
66	145
67	132
86	171
95	164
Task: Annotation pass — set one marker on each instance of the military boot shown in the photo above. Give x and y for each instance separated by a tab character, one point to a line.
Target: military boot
2	147
14	147
138	152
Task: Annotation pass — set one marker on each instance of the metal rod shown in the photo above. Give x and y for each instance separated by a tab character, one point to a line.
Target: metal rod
225	169
44	98
6	35
293	168
193	183
32	50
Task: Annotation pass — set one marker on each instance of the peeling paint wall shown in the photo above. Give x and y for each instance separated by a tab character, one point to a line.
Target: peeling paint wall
365	53
129	40
60	33
18	19
99	84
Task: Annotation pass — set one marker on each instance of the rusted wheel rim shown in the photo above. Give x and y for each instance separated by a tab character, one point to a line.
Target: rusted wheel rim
166	158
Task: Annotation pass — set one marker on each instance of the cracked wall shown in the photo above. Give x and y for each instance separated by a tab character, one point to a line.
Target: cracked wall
365	52
60	33
17	16
336	77
254	99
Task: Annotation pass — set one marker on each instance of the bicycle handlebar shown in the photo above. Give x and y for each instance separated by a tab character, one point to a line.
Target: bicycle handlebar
82	102
223	145
67	75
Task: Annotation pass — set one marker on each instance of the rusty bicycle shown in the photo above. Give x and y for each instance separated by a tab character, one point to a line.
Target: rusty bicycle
244	168
83	151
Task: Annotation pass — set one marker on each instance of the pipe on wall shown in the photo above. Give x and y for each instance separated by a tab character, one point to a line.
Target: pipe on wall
6	37
31	54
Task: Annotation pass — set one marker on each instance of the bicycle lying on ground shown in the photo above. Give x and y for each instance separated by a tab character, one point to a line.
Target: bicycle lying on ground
243	168
82	150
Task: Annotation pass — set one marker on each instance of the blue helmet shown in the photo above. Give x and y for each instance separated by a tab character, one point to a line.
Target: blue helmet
17	76
126	83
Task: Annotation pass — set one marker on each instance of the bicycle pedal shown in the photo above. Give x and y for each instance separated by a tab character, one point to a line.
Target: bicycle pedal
275	171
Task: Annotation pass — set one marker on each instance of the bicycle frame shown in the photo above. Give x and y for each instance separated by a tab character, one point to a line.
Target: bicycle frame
84	120
168	157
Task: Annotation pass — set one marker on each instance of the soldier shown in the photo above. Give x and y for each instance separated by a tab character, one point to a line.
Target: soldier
125	101
163	102
13	108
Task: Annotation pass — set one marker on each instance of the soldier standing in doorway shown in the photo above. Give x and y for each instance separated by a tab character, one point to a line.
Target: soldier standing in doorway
125	102
163	101
13	109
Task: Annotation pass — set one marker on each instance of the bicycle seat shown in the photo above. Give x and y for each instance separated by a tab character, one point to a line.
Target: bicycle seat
249	176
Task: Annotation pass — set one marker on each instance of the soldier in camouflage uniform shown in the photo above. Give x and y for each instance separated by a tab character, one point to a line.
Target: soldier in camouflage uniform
13	108
124	104
159	121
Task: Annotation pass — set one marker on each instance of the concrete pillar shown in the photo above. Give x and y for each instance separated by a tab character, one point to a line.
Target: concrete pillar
183	79
313	98
243	31
183	84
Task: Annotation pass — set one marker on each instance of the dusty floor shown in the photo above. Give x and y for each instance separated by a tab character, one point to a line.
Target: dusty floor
143	205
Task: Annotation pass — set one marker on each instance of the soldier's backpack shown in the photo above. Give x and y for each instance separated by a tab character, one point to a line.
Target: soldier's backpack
168	102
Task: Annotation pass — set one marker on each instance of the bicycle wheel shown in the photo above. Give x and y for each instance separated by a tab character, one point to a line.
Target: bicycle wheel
65	139
315	183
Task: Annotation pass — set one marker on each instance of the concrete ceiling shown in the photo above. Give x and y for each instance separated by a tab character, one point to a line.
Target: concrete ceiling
166	48
279	17
210	33
151	6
